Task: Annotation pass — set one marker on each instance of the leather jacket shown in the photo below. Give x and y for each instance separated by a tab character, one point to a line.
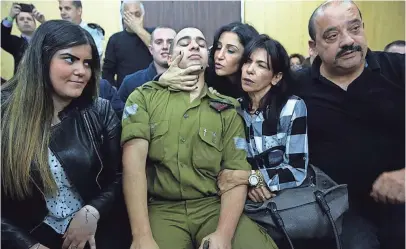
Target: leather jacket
87	144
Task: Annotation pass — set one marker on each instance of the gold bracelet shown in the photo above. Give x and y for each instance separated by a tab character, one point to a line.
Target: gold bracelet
261	178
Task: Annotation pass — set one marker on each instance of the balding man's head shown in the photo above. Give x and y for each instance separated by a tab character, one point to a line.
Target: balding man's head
192	44
133	6
337	36
320	10
396	47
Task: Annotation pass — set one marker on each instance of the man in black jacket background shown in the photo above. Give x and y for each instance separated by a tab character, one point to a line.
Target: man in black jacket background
26	24
356	124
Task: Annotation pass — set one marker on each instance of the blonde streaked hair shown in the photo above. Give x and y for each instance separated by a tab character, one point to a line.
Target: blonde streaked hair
27	110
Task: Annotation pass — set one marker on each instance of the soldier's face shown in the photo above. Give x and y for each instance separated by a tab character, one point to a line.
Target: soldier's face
192	43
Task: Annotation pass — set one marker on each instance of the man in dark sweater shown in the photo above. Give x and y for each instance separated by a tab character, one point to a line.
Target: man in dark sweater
127	51
161	40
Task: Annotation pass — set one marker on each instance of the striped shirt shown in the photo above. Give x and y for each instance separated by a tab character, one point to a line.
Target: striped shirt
281	155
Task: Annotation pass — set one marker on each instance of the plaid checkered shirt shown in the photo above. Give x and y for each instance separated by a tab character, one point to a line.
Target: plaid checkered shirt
280	154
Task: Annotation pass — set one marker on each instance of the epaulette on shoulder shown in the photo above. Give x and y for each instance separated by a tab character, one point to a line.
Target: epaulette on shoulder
96	26
221	104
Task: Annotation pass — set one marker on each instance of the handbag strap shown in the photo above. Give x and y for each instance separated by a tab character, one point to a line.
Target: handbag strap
326	209
272	208
322	203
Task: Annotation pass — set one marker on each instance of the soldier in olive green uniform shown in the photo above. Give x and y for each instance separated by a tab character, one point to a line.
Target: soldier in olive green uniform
189	141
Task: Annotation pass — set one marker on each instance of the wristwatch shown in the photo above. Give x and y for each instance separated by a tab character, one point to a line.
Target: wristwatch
255	179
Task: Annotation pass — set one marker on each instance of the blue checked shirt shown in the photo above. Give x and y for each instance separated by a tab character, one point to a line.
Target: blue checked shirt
286	148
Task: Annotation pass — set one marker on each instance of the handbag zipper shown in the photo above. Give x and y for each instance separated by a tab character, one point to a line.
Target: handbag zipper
95	148
311	182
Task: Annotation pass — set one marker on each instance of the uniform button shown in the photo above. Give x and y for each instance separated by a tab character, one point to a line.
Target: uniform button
186	115
182	140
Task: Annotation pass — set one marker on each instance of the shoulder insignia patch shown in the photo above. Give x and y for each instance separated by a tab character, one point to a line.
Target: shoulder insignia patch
221	105
96	26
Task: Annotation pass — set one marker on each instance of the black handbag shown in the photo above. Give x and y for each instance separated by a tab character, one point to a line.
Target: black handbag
313	210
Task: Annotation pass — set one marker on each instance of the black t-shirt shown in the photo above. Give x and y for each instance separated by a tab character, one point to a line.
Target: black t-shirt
125	54
356	135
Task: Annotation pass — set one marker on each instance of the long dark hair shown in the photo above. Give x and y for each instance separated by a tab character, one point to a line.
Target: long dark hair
278	61
28	108
245	33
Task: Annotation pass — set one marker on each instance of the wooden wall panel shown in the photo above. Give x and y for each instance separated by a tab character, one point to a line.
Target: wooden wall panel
287	21
208	16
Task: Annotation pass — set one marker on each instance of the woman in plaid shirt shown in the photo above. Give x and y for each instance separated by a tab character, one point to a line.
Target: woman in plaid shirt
276	124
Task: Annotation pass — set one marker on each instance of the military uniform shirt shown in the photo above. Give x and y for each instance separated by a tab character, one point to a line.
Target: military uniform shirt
97	35
189	142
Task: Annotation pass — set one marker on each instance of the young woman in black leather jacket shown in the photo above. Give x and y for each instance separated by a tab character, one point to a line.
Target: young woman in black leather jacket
61	155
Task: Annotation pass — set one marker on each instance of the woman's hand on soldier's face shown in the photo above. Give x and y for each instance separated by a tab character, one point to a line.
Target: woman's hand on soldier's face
179	78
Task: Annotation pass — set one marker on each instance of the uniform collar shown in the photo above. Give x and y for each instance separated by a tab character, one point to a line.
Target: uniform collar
212	97
202	94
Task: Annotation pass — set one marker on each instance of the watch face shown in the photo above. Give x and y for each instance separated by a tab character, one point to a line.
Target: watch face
253	180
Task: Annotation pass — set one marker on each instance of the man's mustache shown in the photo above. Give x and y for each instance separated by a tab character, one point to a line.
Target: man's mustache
349	48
